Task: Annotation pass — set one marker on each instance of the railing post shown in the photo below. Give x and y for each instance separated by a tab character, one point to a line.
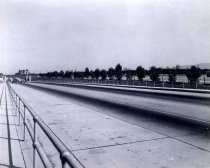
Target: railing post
63	160
63	163
19	110
34	144
16	104
24	122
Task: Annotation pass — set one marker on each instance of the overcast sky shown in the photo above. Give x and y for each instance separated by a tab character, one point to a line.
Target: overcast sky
46	35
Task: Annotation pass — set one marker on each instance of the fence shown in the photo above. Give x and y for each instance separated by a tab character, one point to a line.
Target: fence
144	83
66	157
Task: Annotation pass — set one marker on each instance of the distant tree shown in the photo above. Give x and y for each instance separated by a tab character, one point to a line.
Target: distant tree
45	75
118	72
48	75
75	74
41	75
68	74
140	72
103	74
92	75
208	73
110	73
178	67
80	74
193	74
87	72
128	73
71	74
97	73
61	74
204	71
55	74
154	74
172	76
166	70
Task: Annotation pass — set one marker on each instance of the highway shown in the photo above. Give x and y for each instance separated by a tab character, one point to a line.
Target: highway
185	105
107	128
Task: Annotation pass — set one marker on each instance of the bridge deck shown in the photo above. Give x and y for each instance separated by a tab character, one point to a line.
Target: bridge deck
101	136
10	149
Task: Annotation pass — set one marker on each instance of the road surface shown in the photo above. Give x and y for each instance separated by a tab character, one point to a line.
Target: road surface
105	135
194	106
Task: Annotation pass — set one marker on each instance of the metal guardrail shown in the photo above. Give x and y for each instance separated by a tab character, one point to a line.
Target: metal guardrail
146	83
126	82
66	157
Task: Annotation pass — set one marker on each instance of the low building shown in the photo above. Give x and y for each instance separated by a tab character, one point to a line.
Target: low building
22	72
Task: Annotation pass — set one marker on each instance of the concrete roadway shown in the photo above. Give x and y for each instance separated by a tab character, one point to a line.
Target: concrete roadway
106	135
187	105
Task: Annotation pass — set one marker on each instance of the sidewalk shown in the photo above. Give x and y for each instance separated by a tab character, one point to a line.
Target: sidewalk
10	149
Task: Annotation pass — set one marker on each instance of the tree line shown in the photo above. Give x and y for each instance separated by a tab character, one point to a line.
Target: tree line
193	73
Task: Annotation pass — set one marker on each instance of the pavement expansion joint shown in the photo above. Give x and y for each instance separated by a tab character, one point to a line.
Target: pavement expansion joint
191	134
10	138
28	148
8	115
4	165
10	124
119	144
190	144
